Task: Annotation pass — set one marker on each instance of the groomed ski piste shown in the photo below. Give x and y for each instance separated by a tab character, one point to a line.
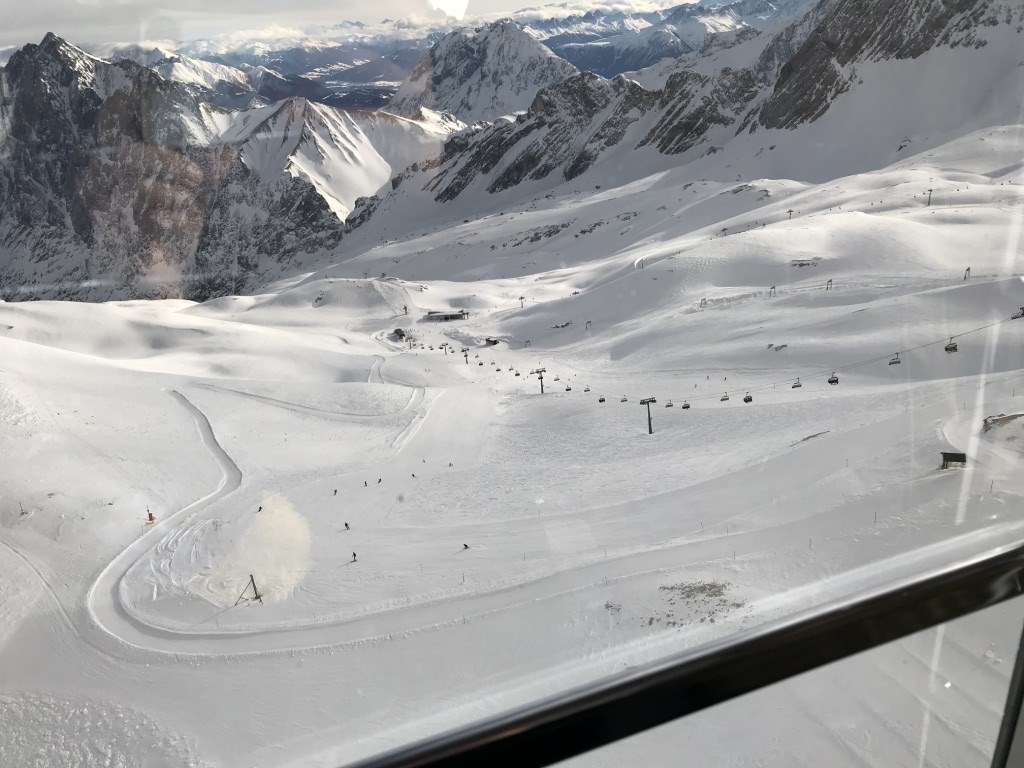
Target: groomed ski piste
435	541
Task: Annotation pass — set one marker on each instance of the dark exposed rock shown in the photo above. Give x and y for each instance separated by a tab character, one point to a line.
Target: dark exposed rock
113	185
846	32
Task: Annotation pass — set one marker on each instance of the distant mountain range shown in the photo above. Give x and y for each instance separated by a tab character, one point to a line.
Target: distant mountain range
153	172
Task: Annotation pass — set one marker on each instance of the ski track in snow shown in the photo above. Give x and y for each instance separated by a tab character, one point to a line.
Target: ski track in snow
104	601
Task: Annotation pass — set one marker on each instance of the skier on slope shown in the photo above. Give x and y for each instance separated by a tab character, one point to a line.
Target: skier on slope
346	527
353	557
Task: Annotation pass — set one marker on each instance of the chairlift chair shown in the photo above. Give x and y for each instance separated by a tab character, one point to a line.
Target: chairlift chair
668	404
497	369
568	388
586	389
951	347
796	384
624	399
600	399
518	374
896	359
724	397
748	398
685	405
833	379
556	378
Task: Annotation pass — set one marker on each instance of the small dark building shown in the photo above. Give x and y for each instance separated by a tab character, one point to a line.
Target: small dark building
439	317
950	458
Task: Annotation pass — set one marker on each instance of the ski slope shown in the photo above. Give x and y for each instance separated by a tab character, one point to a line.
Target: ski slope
275	435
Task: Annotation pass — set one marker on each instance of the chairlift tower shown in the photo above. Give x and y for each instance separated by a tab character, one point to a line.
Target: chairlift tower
647	401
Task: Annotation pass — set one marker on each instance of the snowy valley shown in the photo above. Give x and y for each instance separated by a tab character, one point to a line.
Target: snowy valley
342	415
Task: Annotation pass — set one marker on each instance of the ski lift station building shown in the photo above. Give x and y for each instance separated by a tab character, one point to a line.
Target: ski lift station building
443	316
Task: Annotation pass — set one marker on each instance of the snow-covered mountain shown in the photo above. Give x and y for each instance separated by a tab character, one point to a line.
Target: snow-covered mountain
116	182
625	52
481	74
841	57
363	72
610	42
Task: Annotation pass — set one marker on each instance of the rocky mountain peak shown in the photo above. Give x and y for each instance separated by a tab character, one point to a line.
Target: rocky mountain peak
480	74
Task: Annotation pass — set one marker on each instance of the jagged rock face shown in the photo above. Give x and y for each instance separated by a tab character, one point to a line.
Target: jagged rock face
692	104
560	133
850	31
481	74
792	79
111	186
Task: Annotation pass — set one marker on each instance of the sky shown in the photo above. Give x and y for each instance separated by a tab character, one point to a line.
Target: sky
128	21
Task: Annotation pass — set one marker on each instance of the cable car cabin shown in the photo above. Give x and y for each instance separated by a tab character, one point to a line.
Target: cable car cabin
724	397
685	405
895	360
796	384
668	404
951	347
600	399
833	379
748	398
